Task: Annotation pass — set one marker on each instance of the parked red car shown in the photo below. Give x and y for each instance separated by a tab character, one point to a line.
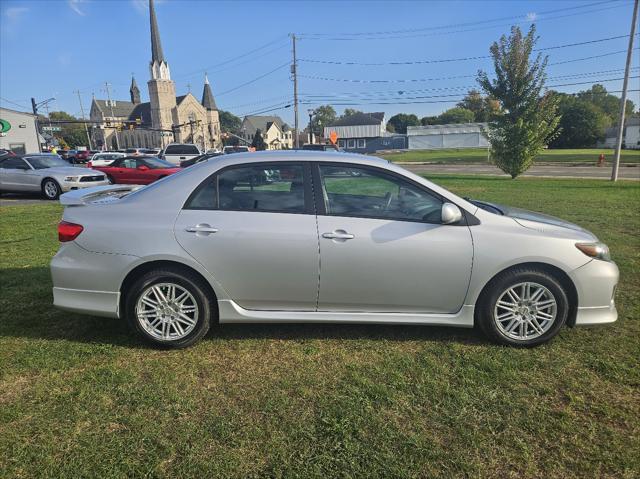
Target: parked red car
137	170
82	156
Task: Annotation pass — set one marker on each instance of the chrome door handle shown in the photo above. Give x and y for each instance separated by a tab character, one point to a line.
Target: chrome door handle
338	234
201	228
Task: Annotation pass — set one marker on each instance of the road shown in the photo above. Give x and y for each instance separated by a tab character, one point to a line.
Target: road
552	171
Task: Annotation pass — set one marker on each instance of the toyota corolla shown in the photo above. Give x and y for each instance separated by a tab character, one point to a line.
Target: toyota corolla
286	237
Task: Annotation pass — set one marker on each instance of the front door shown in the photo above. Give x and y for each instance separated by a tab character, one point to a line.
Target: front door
253	227
382	247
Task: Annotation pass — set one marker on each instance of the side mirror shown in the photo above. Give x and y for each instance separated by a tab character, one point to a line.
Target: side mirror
143	168
450	214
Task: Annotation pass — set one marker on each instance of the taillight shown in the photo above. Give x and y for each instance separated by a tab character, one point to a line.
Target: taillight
89	164
68	231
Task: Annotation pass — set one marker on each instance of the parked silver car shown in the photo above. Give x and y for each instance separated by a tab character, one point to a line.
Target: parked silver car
322	237
45	173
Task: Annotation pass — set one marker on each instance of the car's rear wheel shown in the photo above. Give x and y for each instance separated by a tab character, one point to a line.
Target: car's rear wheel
51	189
523	307
169	308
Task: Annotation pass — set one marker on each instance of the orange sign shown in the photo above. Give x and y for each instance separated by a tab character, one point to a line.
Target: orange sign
333	137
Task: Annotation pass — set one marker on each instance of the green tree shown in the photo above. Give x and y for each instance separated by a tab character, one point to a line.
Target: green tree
456	115
483	108
608	103
322	116
258	142
528	119
399	123
229	122
73	134
582	123
350	112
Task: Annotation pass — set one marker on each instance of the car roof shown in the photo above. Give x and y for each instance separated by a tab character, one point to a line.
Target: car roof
304	155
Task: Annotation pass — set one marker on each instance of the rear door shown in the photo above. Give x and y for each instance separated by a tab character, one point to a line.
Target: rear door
253	227
383	247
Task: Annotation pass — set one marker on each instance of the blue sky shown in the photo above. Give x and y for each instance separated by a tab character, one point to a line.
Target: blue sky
52	48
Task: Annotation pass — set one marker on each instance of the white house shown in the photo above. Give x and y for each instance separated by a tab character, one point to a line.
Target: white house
455	135
632	134
358	132
276	133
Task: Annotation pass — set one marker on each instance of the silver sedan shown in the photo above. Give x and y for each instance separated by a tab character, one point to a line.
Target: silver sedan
324	238
45	173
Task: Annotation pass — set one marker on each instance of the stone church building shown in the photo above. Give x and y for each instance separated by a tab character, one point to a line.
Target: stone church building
166	118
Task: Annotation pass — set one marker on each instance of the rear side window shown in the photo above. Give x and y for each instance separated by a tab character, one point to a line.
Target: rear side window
181	150
272	188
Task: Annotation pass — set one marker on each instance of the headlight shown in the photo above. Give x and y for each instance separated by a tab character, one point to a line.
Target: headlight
595	250
71	178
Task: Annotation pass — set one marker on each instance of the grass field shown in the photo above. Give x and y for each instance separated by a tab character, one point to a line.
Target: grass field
479	155
79	397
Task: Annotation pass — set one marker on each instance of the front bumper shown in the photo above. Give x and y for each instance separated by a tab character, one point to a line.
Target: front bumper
79	185
596	283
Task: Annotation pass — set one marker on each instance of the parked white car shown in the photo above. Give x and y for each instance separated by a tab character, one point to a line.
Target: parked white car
177	152
105	159
323	238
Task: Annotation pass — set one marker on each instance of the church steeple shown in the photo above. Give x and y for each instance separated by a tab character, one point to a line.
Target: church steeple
158	66
207	96
134	91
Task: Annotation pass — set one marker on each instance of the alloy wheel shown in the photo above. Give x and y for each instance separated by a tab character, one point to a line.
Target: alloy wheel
167	311
525	311
50	189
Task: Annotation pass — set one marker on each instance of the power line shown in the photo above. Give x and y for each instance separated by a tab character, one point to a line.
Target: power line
455	25
387	102
14	103
254	80
280	106
233	59
422	80
402	36
449	60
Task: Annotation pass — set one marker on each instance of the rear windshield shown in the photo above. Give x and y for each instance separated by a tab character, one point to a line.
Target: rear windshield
182	150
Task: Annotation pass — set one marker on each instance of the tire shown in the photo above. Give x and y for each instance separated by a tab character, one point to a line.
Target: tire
166	333
51	189
111	180
516	321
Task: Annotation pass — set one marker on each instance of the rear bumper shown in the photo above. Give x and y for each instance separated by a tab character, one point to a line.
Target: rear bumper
86	282
95	303
596	283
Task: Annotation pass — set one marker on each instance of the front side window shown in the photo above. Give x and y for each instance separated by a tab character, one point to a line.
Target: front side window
256	187
129	163
369	193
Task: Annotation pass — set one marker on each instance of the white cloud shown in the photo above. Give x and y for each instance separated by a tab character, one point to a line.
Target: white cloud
75	6
532	16
14	13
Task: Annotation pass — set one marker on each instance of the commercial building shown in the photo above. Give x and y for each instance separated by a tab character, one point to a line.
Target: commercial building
364	133
18	131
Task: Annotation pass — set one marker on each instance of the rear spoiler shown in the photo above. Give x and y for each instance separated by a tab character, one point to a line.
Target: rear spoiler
96	194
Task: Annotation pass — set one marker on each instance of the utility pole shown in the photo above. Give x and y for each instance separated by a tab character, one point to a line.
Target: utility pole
34	107
310	111
623	99
86	129
294	73
107	85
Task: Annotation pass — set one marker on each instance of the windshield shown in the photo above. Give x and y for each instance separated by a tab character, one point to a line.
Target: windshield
157	163
42	162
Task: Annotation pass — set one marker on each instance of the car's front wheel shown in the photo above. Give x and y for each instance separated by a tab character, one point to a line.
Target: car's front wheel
51	189
169	308
523	307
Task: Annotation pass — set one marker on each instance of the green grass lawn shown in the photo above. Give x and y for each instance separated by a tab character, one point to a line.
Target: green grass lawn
479	155
79	397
